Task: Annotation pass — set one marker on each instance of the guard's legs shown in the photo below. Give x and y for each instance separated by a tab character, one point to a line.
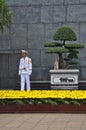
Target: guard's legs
22	81
27	77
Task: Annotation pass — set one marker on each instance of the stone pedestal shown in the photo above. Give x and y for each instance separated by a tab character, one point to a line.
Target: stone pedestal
64	79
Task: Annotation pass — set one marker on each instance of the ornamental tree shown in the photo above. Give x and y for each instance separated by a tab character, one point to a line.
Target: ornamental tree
5	15
63	43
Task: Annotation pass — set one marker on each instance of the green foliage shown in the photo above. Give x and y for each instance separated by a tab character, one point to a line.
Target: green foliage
5	15
73	62
59	46
18	101
50	101
53	101
52	44
75	102
57	50
72	55
65	33
74	46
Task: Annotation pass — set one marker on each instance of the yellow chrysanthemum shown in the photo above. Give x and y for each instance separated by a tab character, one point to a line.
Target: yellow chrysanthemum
16	94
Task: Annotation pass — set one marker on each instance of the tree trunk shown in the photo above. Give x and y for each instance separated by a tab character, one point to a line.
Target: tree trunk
61	61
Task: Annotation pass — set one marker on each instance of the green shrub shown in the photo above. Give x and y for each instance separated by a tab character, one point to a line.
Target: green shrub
63	43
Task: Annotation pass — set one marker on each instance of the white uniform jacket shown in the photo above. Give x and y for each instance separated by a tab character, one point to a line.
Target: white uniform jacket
25	66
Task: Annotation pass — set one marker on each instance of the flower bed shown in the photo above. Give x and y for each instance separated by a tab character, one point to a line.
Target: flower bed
43	101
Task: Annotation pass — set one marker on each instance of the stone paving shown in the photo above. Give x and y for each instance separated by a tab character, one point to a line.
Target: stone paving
42	121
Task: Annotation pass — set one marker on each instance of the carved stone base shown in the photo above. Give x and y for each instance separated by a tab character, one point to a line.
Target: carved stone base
64	79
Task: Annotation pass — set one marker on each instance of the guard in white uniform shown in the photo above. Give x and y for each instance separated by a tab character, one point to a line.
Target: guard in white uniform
25	70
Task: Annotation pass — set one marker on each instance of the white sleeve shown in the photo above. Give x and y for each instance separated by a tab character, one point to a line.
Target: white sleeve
20	68
30	68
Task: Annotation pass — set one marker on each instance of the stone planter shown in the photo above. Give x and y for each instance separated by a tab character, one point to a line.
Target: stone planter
43	108
64	78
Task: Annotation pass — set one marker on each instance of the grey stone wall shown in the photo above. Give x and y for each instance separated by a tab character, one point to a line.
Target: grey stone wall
34	23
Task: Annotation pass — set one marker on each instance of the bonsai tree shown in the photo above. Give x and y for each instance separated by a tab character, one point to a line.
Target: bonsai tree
63	43
5	15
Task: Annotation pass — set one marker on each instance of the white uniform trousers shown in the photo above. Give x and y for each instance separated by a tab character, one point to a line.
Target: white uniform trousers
25	78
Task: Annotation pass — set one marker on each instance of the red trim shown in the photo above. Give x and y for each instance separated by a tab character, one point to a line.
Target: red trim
44	108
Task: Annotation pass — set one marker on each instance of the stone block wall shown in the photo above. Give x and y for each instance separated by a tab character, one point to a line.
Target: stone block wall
34	22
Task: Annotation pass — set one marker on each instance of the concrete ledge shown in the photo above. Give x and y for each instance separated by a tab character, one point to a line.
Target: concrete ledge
40	85
45	85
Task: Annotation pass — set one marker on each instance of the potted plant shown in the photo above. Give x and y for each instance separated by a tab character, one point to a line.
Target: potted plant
64	46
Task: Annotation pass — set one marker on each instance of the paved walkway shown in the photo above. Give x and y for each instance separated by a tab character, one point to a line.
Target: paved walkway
43	121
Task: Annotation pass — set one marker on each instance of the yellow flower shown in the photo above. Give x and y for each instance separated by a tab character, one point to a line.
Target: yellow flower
16	94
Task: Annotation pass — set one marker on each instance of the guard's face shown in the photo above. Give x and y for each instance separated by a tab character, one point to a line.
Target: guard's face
24	54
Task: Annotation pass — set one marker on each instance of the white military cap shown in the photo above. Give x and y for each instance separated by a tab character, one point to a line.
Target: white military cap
24	51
